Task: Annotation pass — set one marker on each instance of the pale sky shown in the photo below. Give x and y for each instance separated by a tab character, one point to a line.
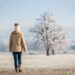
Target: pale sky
26	11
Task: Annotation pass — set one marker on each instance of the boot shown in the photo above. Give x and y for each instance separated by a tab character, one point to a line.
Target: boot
19	66
16	69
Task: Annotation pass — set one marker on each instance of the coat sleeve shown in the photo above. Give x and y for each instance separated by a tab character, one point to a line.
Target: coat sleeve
23	43
10	42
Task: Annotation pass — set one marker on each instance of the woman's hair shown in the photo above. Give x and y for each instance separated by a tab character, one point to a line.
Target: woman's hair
16	24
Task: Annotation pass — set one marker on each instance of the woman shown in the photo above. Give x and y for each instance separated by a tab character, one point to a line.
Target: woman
16	46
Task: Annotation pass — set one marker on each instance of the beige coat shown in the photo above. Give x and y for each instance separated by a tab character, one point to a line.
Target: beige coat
17	42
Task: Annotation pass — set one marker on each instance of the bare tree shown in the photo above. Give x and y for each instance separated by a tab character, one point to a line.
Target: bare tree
48	34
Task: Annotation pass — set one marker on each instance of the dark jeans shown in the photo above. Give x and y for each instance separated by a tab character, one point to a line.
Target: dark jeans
17	58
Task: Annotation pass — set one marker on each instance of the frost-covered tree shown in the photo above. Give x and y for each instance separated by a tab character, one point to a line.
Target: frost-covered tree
49	35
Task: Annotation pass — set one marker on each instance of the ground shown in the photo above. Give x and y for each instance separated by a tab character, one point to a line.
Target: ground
39	64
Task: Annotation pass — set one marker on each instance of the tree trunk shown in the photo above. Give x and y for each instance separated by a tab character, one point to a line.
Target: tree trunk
53	52
47	52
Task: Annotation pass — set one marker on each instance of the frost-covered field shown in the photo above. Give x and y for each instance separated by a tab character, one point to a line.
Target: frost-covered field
43	61
40	64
